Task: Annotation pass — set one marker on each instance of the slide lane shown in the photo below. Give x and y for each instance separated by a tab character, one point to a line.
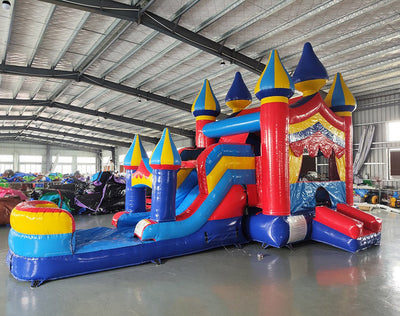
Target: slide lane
221	167
56	250
186	192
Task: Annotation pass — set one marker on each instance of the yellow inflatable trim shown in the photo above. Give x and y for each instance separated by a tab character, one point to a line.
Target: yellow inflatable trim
298	127
225	163
43	219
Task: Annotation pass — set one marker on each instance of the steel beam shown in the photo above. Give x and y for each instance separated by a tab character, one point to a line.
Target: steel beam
148	139
95	113
83	146
89	138
131	13
79	148
74	75
54	132
7	43
12	137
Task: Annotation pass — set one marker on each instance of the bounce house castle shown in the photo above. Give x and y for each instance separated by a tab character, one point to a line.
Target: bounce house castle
240	183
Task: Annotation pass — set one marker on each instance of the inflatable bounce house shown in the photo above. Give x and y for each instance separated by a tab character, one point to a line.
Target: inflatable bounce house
240	183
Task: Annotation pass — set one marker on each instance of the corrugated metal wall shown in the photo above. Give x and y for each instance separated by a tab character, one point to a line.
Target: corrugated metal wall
378	110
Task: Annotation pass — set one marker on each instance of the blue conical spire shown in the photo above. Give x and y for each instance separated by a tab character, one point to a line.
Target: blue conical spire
238	96
310	74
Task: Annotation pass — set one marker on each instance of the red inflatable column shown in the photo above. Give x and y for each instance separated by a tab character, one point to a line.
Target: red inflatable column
205	109
274	88
202	140
343	103
274	120
349	159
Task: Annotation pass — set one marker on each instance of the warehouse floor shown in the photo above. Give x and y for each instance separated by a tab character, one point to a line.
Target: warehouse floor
311	279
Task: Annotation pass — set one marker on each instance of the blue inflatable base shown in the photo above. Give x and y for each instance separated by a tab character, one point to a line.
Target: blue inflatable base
327	235
131	219
274	230
268	229
108	253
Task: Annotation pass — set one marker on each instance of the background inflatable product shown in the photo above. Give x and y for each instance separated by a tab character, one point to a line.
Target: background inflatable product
105	194
240	183
6	206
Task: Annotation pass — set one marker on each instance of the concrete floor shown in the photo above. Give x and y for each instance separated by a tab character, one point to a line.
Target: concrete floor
311	279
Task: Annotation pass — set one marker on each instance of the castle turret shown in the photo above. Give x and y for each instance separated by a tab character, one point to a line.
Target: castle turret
310	74
135	198
342	102
273	89
165	162
205	109
238	96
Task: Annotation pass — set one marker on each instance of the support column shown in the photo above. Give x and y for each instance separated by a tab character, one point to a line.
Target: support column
202	140
274	122
343	103
163	195
99	161
165	162
135	197
205	109
273	89
349	159
113	158
48	160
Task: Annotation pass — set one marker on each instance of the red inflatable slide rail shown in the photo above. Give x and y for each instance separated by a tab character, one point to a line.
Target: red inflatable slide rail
348	220
372	223
339	222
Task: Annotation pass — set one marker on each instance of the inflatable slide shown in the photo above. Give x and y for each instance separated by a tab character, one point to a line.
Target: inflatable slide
240	183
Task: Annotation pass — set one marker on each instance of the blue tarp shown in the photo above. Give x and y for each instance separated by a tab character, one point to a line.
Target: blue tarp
302	194
361	192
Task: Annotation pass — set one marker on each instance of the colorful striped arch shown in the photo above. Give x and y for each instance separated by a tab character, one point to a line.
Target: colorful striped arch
41	218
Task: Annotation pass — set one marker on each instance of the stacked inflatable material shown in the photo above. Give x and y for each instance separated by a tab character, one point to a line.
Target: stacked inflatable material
105	194
9	198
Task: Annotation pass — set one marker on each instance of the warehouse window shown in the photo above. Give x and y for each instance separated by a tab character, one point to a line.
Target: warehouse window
6	163
30	163
62	164
394	159
394	131
86	165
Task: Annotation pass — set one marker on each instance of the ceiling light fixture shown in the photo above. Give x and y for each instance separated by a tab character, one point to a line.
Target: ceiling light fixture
222	64
6	4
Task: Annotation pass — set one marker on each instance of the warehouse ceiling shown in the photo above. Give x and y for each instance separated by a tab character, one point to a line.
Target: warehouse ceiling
92	73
